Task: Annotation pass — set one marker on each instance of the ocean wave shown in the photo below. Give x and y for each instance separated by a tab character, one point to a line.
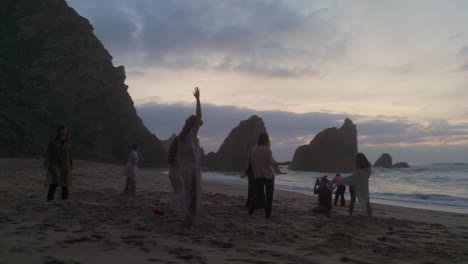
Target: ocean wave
449	164
440	199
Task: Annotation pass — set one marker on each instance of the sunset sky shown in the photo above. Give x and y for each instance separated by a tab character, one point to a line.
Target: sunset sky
398	69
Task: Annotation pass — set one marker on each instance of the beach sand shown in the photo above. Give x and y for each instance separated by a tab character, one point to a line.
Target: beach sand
98	225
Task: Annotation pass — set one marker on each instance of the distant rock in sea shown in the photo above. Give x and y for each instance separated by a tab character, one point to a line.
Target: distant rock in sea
332	150
401	165
384	161
234	152
53	71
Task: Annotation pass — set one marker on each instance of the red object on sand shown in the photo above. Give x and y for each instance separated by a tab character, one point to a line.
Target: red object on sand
158	211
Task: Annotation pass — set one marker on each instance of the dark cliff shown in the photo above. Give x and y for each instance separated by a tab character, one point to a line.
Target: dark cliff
53	70
331	150
233	153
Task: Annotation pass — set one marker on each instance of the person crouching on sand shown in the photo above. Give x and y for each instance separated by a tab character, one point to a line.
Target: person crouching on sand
131	171
262	162
324	196
59	163
359	184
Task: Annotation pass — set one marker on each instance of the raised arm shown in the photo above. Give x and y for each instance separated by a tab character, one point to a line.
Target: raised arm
196	93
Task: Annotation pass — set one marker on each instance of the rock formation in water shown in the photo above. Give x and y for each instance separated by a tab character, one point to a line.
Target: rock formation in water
331	150
384	161
233	153
401	165
53	70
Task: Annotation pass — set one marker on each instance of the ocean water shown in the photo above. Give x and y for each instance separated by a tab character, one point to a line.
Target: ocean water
437	186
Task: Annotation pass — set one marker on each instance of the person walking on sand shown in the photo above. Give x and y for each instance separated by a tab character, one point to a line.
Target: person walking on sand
251	189
131	170
340	189
174	176
359	184
263	163
59	163
189	162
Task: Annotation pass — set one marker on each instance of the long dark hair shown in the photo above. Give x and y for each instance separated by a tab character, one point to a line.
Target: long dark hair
263	139
59	129
189	124
171	153
362	162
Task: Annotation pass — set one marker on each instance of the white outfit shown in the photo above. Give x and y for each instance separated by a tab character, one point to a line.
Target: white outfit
360	180
189	163
132	168
178	187
131	171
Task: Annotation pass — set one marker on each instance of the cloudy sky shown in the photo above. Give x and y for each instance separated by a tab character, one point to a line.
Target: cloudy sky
398	69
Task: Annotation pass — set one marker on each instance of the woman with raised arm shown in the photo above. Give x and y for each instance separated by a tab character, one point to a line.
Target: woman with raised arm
263	163
189	162
359	184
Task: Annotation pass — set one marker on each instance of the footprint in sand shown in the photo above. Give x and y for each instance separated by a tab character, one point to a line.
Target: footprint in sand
52	260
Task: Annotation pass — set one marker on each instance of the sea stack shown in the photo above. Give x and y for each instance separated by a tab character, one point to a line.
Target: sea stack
331	150
55	71
234	152
384	161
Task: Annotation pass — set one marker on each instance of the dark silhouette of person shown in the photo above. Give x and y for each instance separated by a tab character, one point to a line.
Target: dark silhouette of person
59	163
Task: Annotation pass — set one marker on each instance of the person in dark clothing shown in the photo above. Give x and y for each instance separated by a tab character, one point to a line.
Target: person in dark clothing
252	189
324	196
58	163
340	189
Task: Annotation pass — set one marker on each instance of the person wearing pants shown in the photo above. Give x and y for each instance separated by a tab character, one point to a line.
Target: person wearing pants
252	189
262	161
340	189
59	164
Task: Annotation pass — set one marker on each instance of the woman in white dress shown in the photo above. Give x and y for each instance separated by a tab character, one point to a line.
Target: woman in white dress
189	162
175	177
359	184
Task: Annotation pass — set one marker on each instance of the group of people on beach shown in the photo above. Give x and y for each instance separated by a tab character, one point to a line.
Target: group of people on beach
358	184
261	177
185	172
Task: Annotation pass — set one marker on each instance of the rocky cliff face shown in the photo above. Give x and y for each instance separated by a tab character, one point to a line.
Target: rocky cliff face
53	71
332	150
233	153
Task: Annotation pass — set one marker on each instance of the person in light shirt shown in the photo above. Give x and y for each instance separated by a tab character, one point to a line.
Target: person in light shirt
262	162
340	189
